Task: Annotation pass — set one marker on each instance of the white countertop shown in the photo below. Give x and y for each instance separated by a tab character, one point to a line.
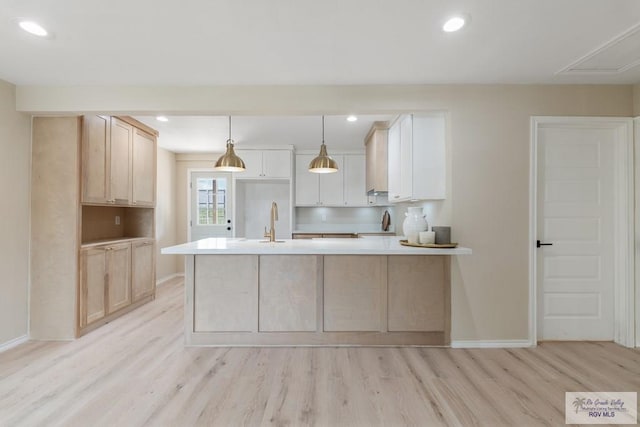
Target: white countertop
374	245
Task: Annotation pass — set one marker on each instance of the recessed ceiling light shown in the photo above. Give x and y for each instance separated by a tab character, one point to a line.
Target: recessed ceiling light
352	118
33	28
453	24
162	119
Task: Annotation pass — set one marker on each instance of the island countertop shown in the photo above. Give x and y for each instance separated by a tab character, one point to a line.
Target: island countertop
378	245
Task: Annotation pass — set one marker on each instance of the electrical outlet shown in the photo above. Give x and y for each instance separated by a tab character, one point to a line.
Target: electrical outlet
324	217
117	219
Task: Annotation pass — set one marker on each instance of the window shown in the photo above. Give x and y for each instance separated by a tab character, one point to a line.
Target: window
212	201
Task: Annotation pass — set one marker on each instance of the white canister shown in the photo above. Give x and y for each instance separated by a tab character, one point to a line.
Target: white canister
413	224
427	237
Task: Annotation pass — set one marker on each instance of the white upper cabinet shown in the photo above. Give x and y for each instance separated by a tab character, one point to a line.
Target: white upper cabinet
355	180
332	185
417	158
265	164
343	188
307	183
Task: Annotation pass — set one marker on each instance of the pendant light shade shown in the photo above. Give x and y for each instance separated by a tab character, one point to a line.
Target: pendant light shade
323	163
229	161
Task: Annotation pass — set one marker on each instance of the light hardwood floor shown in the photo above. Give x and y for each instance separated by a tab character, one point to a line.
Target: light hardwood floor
135	371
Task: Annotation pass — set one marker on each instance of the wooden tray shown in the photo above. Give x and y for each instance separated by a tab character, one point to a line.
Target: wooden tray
429	245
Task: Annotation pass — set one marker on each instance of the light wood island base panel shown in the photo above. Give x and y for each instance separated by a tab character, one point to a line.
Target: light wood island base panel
317	300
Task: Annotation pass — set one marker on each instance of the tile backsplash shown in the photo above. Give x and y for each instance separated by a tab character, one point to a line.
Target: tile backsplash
364	219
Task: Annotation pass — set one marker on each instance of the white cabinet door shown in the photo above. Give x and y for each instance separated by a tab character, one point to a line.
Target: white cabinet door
253	162
406	158
307	183
417	158
355	180
276	164
429	157
394	162
332	185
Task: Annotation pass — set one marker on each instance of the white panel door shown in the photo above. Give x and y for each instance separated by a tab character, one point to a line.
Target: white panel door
575	214
211	205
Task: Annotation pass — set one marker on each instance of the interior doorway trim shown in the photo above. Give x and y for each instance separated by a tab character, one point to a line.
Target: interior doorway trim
624	273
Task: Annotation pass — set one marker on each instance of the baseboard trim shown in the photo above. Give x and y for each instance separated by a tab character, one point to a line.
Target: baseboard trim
13	343
491	344
165	279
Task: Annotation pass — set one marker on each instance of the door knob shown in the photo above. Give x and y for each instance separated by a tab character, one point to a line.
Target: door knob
229	228
538	244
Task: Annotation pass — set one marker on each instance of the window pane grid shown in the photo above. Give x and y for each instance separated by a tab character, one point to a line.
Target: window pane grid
211	201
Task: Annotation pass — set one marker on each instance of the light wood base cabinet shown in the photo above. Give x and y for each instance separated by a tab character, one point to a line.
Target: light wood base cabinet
113	276
118	276
317	300
93	266
143	269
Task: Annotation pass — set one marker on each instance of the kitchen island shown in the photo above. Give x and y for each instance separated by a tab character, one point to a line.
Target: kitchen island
365	291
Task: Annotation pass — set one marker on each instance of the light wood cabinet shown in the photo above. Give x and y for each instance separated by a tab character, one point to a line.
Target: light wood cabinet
265	164
118	276
317	299
353	292
143	271
226	294
417	158
105	283
343	188
377	158
96	159
92	285
82	190
144	169
120	165
288	285
417	300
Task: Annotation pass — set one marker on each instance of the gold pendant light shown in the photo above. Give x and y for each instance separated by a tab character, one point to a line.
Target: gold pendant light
229	161
323	163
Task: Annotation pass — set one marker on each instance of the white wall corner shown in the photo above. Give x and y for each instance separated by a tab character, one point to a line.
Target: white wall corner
13	343
492	344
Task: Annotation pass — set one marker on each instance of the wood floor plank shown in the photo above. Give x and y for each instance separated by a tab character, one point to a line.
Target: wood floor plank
136	371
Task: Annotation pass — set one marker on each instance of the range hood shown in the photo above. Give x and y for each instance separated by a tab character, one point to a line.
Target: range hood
376	154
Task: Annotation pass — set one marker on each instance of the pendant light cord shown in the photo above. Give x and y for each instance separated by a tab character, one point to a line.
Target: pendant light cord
229	140
323	130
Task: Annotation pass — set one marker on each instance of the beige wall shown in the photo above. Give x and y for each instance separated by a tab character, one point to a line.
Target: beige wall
14	210
490	130
636	100
166	206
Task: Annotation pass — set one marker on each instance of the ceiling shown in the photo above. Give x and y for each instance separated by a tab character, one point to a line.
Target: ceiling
209	134
311	42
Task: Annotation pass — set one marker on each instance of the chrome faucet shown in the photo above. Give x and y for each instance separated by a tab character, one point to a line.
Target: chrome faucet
271	234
